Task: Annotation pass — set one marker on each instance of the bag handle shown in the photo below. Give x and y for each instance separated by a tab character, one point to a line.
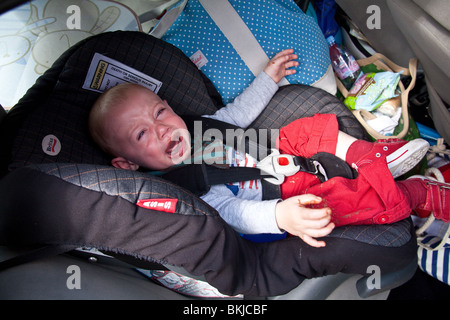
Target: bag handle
384	63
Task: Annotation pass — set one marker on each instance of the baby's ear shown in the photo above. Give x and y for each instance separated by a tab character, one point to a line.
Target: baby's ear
123	163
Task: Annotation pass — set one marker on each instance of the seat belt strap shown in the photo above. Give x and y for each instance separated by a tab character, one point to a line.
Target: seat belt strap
238	34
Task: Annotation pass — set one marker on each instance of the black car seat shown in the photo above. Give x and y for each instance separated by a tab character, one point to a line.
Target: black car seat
54	202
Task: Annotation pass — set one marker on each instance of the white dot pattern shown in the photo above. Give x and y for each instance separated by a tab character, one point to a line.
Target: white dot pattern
276	24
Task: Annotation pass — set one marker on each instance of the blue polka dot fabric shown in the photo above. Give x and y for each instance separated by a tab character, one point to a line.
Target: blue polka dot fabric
276	25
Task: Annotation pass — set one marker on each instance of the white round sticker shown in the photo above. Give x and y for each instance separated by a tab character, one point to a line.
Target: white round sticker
51	145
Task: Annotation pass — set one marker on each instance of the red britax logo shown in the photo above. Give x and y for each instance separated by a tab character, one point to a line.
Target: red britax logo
165	205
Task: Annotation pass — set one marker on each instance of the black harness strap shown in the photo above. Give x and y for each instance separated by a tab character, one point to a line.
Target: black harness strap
198	178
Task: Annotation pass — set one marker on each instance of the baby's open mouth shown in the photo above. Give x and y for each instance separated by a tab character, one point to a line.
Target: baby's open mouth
175	147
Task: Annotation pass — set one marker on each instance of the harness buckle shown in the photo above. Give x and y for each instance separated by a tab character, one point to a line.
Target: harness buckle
280	166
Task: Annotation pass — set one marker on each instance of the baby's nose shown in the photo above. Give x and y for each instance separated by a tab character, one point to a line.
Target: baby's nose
162	130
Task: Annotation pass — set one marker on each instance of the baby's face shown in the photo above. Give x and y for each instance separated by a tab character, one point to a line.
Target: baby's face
147	132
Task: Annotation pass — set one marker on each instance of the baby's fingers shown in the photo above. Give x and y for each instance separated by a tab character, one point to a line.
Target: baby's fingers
285	57
316	215
312	242
319	232
306	199
310	235
284	52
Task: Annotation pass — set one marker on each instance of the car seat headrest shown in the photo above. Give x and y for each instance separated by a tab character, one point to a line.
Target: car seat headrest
49	124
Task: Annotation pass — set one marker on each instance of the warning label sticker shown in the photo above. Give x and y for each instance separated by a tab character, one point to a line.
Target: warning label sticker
105	73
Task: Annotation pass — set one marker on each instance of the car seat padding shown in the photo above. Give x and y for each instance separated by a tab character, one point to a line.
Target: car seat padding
52	211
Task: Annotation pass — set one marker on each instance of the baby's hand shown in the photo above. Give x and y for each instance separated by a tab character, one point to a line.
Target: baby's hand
293	217
277	68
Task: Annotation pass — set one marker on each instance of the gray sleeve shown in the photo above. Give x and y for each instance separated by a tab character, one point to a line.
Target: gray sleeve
249	104
244	216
